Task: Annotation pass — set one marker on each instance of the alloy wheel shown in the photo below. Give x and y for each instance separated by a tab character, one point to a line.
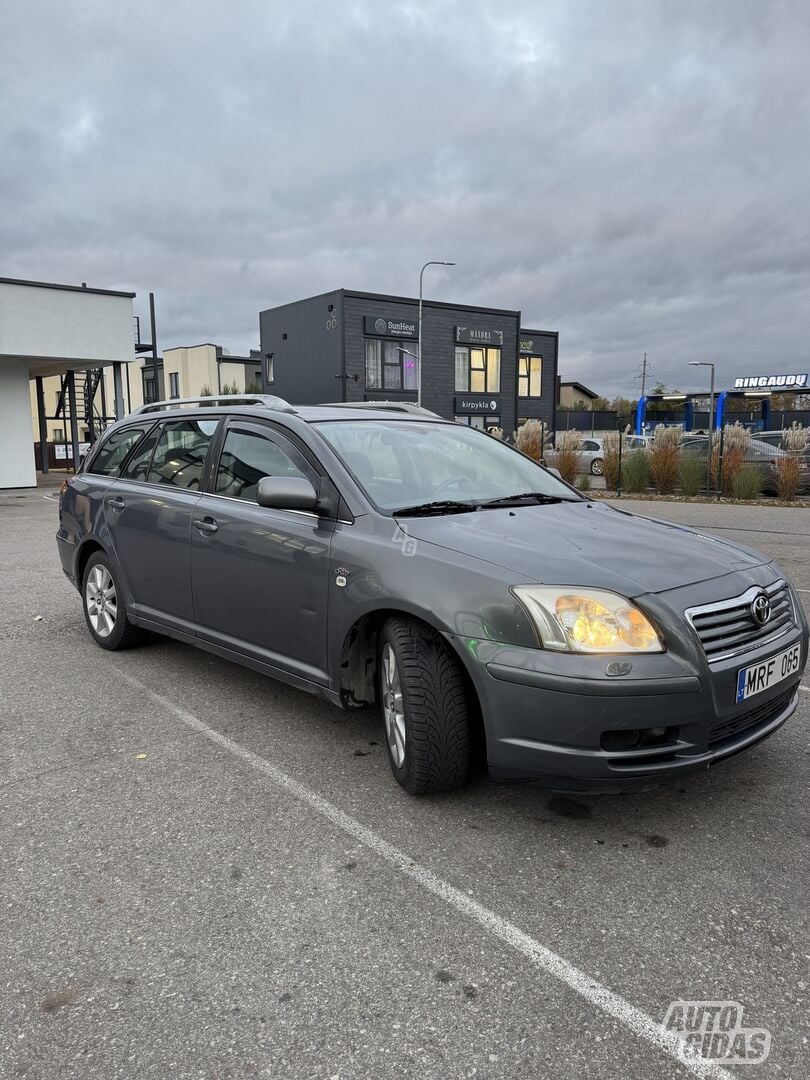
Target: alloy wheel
101	600
393	707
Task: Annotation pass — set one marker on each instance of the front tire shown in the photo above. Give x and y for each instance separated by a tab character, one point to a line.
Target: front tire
597	467
424	704
103	604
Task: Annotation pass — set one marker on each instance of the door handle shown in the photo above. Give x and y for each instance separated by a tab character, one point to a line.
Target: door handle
116	503
205	525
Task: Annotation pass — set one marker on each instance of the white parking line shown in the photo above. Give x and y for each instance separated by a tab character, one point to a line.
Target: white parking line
532	950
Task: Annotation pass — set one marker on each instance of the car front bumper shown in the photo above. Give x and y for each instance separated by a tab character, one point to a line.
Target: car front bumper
560	720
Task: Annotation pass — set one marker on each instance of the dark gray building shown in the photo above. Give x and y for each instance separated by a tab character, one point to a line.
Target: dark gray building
479	367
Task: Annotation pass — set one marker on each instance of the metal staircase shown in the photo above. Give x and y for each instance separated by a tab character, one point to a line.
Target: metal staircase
86	384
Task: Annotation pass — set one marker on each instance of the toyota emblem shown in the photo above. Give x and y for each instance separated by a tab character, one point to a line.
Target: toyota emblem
761	609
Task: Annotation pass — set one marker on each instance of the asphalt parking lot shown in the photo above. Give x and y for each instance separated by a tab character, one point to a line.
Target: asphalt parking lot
206	874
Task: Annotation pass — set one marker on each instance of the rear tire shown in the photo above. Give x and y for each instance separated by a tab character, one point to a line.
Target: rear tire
424	700
597	467
103	604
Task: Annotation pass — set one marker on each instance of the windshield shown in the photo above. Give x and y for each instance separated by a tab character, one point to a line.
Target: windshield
403	463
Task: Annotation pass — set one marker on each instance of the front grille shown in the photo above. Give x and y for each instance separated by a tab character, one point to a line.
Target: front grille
727	628
721	730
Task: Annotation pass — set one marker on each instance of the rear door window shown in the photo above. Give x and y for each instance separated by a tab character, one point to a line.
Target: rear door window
180	454
138	465
108	460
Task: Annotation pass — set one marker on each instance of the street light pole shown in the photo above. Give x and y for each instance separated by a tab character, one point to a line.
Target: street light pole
708	364
431	262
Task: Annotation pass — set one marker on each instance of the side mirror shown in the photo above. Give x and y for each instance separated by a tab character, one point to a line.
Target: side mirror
286	493
554	472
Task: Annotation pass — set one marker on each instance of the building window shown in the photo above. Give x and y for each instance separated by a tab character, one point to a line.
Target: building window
530	376
268	367
149	389
174	384
481	423
478	371
390	365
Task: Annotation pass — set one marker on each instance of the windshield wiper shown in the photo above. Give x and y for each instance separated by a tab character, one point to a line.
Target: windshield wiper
441	506
528	497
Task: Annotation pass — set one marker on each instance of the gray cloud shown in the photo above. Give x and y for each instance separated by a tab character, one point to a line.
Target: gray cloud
632	174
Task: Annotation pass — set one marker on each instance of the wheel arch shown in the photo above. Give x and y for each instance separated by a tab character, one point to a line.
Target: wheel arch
88	548
358	659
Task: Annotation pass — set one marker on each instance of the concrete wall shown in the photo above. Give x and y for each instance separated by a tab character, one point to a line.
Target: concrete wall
65	324
17	450
197	367
194	366
573	398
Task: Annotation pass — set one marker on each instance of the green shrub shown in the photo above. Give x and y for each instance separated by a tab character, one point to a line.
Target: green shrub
584	482
636	472
691	475
746	483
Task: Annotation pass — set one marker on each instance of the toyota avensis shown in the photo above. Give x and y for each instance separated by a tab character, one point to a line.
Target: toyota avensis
397	560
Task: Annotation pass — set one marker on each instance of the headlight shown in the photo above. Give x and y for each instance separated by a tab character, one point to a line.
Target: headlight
587	620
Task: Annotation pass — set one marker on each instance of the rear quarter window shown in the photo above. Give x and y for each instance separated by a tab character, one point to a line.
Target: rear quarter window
109	458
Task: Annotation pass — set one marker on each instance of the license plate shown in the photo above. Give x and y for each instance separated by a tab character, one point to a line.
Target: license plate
758	677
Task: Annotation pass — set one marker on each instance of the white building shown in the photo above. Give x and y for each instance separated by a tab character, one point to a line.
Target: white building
54	330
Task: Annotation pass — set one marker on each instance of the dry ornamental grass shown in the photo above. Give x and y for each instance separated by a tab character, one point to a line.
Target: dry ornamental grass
567	455
735	441
665	455
788	476
531	439
610	446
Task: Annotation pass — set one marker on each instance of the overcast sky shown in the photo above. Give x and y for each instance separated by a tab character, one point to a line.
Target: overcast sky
634	175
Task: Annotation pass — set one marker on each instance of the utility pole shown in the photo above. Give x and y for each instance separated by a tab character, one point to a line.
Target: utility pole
643	374
154	346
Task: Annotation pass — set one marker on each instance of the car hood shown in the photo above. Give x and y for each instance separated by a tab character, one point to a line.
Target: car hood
589	544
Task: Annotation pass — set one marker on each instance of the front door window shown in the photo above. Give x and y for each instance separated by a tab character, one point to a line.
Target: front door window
247	456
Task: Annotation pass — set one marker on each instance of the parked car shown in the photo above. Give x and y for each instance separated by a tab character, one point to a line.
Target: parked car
759	455
591	456
417	566
776	438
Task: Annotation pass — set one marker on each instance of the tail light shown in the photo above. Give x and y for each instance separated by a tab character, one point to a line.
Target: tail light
64	486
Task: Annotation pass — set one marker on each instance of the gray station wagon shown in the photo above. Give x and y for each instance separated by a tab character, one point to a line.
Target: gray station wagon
393	559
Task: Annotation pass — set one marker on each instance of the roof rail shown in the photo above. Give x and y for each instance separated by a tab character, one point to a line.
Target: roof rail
386	406
269	401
